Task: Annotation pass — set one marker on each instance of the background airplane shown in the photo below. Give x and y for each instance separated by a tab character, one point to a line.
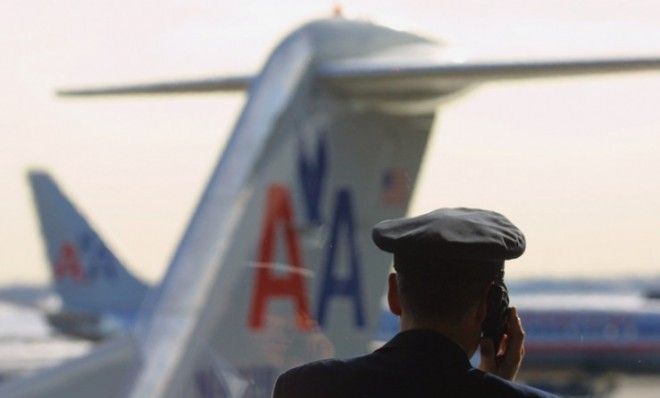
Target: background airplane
327	94
98	295
91	294
579	342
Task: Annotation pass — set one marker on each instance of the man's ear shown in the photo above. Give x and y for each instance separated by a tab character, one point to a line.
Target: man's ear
393	298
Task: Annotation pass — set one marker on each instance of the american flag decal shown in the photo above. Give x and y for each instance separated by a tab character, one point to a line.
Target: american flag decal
395	186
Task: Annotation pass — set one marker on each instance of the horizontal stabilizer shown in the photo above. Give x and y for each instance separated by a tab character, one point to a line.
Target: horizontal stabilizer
207	85
405	74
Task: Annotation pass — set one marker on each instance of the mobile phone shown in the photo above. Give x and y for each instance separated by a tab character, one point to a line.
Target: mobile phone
497	314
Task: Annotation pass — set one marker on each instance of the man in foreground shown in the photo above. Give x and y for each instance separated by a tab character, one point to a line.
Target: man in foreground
450	296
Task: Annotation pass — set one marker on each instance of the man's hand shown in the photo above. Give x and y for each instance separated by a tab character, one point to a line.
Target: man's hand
506	361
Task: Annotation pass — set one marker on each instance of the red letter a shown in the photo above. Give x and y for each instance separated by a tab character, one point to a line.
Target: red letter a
68	264
269	285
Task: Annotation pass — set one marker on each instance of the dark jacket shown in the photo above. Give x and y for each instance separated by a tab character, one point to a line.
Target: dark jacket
416	363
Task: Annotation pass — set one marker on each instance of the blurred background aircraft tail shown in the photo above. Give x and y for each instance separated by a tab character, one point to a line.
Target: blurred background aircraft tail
89	279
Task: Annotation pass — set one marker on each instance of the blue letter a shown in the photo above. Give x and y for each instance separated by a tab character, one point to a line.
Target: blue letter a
349	286
311	174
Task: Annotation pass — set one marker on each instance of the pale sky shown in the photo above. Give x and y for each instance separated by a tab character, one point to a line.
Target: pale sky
574	162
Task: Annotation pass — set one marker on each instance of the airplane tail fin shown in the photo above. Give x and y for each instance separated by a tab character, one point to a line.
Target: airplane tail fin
277	264
86	274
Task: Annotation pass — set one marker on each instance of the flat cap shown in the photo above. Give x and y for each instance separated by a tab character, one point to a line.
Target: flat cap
451	234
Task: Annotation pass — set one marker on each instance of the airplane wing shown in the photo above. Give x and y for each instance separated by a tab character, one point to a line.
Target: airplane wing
100	373
194	86
394	74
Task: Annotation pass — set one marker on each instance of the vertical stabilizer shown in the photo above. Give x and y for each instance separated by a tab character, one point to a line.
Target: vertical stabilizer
86	274
277	266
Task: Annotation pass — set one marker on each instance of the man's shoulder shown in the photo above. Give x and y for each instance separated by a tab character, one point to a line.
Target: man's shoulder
321	367
334	378
319	378
489	384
